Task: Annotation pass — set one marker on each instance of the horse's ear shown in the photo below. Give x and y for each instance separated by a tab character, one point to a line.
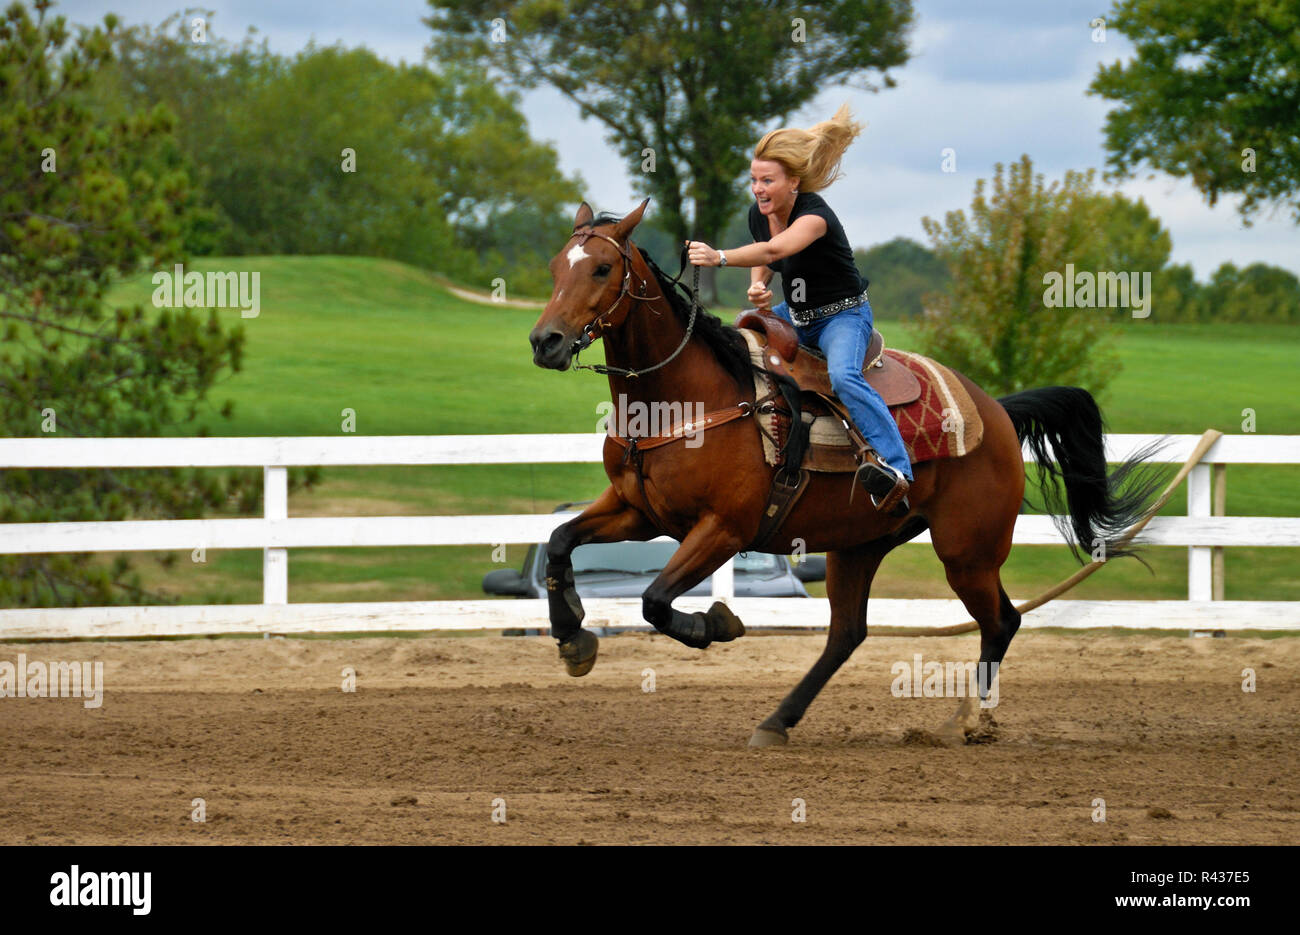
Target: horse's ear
583	216
629	223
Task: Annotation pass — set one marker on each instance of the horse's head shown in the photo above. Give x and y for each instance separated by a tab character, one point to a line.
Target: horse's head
592	275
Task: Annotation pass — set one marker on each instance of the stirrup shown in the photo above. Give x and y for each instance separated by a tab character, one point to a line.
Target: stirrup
884	483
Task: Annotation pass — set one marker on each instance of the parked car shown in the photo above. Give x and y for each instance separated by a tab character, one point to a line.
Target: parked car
626	569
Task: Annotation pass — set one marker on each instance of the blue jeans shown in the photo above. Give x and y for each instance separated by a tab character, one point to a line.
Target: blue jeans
843	338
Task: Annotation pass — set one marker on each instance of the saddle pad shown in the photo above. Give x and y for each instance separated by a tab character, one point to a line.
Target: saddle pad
942	423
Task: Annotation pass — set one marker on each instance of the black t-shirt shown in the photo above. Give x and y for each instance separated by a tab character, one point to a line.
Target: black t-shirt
826	265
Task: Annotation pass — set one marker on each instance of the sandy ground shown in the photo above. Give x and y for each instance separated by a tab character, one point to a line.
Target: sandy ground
442	731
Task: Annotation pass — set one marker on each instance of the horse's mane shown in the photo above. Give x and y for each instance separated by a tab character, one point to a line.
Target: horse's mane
725	342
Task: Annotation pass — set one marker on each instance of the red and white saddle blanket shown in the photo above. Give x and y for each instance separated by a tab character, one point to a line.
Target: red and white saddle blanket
942	423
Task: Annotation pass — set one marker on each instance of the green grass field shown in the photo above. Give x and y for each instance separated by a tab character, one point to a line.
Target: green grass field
387	341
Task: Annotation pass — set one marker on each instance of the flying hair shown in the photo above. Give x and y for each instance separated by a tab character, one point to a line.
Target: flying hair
812	156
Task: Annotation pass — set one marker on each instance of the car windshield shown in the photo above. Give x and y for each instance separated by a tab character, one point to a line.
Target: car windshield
639	558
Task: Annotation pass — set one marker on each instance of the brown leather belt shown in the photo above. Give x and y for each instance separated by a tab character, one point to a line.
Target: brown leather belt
710	420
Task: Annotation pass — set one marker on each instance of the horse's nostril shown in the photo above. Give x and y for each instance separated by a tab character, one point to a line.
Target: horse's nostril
545	342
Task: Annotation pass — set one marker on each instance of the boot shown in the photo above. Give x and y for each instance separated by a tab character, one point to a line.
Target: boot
886	485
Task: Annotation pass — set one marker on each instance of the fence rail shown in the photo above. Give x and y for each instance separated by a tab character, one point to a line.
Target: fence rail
1202	531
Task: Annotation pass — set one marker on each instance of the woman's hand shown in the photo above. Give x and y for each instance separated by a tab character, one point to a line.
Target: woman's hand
701	254
760	295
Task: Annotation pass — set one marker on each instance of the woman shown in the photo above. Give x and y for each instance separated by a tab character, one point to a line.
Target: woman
797	235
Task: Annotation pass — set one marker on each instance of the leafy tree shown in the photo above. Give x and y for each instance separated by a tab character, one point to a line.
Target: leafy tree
901	272
683	90
1210	80
1179	295
993	324
1130	236
88	194
1257	293
446	175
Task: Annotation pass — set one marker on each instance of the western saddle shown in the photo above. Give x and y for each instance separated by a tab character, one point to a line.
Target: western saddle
784	355
803	366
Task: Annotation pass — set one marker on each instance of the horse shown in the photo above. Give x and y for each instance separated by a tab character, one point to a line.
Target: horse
710	496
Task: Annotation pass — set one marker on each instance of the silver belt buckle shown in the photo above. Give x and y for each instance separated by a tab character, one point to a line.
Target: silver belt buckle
816	314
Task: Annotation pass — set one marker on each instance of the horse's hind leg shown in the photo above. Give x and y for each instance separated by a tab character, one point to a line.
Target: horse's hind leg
980	590
848	585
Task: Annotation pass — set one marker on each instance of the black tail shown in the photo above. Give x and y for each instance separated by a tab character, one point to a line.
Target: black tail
1101	505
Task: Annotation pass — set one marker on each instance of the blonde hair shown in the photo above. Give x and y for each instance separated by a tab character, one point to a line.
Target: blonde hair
812	156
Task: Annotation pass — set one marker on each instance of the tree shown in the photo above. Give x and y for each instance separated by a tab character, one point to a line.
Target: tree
1213	94
88	194
683	90
901	273
337	151
1179	297
1257	293
994	324
1130	237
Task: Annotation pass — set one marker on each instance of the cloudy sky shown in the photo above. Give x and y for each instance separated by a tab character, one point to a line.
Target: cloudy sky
991	80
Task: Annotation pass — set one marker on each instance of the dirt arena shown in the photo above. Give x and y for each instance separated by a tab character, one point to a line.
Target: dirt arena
438	728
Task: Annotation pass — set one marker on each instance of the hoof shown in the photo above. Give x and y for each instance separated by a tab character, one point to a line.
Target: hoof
769	737
951	734
726	625
579	653
963	722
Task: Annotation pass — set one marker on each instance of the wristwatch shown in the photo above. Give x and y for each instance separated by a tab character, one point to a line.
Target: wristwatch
722	258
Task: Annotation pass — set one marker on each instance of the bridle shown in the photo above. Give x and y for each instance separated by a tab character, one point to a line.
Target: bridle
599	324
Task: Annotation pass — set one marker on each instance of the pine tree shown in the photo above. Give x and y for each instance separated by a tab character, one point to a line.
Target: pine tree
89	194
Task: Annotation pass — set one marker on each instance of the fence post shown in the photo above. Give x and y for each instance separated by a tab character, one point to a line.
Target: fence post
275	562
1220	509
1199	558
724	580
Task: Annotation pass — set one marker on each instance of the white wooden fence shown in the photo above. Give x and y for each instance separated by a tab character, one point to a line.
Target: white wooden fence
1204	531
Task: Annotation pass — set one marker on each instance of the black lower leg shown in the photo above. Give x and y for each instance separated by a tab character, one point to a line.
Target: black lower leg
562	600
688	629
793	707
993	648
1008	616
697	630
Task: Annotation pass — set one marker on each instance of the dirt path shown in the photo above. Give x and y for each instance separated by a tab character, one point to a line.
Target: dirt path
439	728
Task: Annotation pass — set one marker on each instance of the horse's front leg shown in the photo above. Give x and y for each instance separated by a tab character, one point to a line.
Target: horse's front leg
702	552
608	519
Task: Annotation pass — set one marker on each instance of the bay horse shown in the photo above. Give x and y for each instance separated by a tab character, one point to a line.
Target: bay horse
710	496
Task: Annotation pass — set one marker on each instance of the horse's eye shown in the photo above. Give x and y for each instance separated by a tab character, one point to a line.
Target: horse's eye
602	270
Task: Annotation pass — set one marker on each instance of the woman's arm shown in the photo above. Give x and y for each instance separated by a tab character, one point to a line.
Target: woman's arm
787	243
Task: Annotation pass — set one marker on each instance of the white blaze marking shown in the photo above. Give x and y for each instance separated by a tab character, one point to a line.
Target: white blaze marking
576	253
